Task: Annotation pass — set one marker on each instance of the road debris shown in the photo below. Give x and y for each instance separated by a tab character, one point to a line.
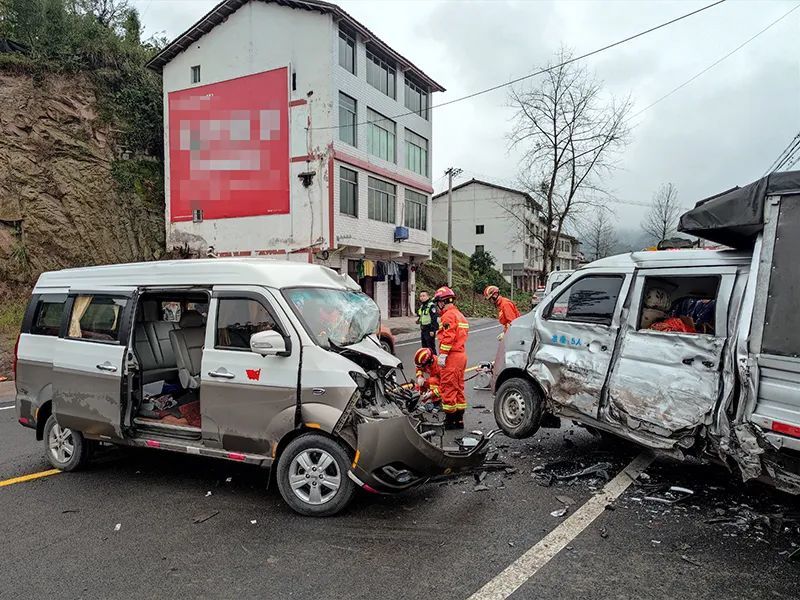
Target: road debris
565	500
118	526
208	494
253	522
690	560
603	532
670	495
70	510
560	512
795	555
480	488
205	517
228	480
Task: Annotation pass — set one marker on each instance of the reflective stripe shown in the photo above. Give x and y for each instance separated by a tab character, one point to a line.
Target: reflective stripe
444	347
463	325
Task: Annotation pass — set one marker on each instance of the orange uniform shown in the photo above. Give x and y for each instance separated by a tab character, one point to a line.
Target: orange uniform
507	311
452	334
432	375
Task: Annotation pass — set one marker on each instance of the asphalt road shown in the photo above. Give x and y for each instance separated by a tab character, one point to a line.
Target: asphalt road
443	540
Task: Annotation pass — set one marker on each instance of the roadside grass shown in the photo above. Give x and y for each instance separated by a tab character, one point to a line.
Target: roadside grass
12	310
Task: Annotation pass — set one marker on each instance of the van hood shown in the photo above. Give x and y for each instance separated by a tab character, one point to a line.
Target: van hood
371	348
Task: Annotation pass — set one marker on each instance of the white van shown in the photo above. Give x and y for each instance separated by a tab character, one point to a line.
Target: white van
264	362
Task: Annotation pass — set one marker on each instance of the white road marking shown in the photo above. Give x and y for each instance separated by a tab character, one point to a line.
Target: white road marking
527	565
471	331
6	407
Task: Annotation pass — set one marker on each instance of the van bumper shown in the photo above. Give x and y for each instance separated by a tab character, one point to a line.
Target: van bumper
393	457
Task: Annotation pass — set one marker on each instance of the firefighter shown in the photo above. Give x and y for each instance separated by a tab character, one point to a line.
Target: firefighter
452	358
428	376
507	311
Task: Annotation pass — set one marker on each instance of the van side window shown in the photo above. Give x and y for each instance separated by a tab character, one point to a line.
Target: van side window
238	319
96	318
679	304
47	320
590	299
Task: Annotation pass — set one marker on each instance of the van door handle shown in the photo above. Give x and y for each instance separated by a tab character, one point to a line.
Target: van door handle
221	374
107	366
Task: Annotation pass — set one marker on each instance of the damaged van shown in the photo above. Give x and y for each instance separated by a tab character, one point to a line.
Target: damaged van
263	362
687	352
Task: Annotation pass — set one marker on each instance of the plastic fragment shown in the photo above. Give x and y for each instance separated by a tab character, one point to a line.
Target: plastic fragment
118	526
205	517
559	513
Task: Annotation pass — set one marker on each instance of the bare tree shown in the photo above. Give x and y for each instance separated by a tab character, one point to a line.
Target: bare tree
662	220
598	234
569	134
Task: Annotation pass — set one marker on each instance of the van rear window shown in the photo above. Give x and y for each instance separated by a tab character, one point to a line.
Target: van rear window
96	318
47	320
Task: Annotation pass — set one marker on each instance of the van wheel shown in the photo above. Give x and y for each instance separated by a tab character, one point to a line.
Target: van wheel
312	476
66	450
518	408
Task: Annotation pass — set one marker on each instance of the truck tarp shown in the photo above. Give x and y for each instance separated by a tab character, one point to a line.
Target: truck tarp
736	217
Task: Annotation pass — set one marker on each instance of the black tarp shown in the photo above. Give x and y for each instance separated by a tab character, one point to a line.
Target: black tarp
736	217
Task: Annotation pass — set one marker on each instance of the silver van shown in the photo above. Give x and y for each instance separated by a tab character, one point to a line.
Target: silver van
258	361
688	352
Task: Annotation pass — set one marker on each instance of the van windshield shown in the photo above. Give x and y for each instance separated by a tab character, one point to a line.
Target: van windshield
338	317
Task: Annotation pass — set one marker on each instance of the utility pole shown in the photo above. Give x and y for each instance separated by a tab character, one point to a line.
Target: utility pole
451	172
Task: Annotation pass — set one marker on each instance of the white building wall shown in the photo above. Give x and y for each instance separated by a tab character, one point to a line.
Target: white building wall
261	37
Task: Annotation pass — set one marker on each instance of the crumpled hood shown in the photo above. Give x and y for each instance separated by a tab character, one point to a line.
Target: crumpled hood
371	347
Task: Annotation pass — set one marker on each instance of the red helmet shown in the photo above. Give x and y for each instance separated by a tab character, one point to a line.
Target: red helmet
490	291
443	293
423	357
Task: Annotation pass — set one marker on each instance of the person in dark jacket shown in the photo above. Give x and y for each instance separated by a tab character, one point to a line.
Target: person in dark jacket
428	321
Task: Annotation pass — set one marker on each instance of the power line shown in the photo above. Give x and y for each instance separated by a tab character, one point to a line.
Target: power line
536	73
784	156
715	63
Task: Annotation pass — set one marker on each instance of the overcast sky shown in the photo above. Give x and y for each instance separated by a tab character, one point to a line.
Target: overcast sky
723	129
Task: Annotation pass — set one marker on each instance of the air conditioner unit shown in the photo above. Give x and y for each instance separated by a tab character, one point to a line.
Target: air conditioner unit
400	233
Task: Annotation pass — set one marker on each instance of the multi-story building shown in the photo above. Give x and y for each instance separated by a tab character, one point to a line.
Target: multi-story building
291	130
505	222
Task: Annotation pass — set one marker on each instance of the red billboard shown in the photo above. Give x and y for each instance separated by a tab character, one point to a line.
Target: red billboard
229	148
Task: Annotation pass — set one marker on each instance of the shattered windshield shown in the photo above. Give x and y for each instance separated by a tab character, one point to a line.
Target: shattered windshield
338	317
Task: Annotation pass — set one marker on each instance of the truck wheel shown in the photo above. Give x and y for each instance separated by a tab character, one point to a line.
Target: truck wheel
518	408
312	476
66	450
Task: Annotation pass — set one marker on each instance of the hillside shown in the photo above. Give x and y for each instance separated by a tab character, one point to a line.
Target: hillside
433	274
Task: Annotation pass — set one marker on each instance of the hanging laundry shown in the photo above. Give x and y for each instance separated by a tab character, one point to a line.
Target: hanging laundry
369	268
393	271
380	271
361	269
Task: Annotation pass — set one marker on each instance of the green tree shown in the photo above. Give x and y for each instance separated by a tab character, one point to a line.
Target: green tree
132	27
481	262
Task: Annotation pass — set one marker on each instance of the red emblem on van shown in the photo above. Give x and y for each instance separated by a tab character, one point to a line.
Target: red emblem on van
254	374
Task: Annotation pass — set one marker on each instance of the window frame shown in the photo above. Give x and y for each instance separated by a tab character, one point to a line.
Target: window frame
194	69
218	295
412	87
37	303
480	229
123	331
379	62
373	120
353	126
349	40
423	152
342	181
420	206
370	189
548	313
480	248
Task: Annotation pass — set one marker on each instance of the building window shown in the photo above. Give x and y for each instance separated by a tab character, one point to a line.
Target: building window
347	51
380	75
416	153
380	136
478	248
416	210
347	119
348	192
416	99
478	229
196	74
382	199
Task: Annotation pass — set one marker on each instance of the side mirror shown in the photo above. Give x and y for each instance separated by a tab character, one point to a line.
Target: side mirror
268	343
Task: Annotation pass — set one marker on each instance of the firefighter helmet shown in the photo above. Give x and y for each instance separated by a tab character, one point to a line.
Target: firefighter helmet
443	293
423	357
490	291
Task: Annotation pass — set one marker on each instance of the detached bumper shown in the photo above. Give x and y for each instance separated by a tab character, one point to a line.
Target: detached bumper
392	456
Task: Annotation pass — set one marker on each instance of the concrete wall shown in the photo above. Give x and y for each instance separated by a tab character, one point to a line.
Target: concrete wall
260	37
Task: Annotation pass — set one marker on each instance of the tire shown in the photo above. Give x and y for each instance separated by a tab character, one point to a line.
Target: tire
66	450
313	495
387	347
518	408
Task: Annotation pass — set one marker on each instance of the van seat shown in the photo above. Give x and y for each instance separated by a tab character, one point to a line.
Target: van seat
187	344
154	349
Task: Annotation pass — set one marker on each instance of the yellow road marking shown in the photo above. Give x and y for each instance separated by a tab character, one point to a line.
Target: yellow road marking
30	477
